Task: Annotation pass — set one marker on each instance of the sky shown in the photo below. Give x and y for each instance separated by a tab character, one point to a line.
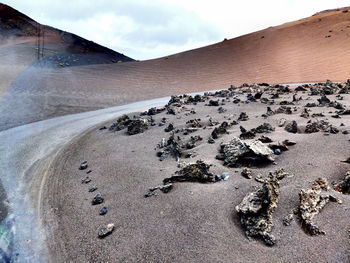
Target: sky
146	29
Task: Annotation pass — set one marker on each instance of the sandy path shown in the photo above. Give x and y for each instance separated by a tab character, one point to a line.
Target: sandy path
26	152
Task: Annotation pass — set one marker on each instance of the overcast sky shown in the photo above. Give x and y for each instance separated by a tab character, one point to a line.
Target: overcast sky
145	29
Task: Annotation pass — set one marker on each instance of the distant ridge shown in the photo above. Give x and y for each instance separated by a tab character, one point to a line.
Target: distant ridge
346	9
16	25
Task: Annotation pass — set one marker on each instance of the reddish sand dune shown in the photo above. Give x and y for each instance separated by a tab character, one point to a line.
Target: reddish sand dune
307	50
294	52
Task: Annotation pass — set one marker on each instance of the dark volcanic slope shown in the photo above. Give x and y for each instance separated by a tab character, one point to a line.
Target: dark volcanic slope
16	27
29	47
311	49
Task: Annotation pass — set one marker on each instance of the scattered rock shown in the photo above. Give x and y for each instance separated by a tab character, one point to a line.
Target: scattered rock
258	95
282	122
189	130
245	134
86	180
292	127
265	139
134	126
310	105
347	160
103	211
83	165
166	188
277	151
316	126
172	148
221	110
336	105
287	220
222	129
257	208
264	84
289	143
169	128
323	100
121	123
315	115
92	189
247	173
263	128
332	129
344	112
153	111
269	112
344	185
336	116
195	123
259	178
213	103
196	172
305	113
137	126
211	140
104	231
285	102
300	88
98	199
193	141
283	110
173	110
243	116
237	153
312	201
223	176
212	122
281	146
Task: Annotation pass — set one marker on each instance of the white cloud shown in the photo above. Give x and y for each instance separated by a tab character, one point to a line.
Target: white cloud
145	29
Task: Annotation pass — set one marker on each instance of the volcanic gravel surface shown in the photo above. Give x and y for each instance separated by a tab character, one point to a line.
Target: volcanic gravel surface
149	221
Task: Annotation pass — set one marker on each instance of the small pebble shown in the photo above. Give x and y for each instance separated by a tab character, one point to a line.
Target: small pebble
278	151
98	199
92	189
83	165
103	211
86	180
104	231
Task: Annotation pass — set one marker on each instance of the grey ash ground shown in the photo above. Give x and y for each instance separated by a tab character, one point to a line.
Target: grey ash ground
219	177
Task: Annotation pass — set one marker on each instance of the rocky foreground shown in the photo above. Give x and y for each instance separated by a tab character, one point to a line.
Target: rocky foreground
251	173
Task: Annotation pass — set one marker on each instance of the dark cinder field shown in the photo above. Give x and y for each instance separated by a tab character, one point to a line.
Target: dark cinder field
197	222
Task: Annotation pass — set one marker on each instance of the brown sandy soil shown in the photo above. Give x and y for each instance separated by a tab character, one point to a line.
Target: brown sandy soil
194	222
293	52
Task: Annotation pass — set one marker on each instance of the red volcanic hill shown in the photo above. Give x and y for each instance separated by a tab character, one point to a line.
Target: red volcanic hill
312	49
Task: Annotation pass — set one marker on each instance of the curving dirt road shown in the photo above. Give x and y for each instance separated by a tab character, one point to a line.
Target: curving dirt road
26	151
